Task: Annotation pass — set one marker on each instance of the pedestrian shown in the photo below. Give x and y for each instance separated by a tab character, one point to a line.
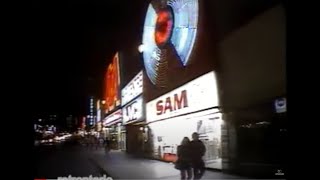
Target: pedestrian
198	150
101	141
88	141
97	142
92	141
107	144
183	162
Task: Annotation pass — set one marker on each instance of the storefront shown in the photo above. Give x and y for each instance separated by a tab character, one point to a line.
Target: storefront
133	119
113	126
133	114
190	108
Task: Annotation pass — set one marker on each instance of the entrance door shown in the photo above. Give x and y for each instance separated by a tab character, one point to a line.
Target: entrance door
123	141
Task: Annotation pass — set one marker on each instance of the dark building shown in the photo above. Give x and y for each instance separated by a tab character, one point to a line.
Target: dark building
253	77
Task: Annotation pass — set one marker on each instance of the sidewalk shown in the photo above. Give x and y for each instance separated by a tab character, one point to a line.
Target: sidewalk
120	165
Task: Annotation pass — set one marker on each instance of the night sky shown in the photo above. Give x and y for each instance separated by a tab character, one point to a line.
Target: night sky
73	41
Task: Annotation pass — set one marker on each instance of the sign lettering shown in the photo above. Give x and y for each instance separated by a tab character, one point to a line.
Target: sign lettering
133	111
177	101
196	95
133	89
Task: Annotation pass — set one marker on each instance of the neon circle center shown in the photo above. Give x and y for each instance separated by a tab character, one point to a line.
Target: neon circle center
164	26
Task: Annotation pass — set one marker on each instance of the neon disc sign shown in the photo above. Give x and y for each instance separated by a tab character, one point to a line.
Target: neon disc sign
169	25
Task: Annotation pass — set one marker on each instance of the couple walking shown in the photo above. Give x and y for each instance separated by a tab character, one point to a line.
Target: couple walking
190	155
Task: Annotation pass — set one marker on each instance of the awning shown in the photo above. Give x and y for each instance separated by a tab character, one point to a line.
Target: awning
113	118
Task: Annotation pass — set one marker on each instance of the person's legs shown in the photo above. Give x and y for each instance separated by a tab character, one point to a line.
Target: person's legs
195	173
189	173
183	174
201	172
198	170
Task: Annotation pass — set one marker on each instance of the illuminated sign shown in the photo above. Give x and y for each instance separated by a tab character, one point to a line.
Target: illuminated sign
281	105
98	104
196	95
161	31
133	89
177	101
134	111
113	118
98	115
91	111
112	84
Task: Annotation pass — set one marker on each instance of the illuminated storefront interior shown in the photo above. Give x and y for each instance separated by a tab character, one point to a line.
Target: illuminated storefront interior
112	124
195	109
168	134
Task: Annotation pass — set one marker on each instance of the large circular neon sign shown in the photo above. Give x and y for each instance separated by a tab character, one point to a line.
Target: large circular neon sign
168	23
164	25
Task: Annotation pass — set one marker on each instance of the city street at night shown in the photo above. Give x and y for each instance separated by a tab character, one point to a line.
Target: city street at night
77	160
62	160
159	89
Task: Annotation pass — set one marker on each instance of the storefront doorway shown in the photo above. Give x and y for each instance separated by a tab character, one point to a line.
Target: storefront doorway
123	141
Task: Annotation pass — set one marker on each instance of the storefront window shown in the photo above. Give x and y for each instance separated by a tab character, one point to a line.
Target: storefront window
169	133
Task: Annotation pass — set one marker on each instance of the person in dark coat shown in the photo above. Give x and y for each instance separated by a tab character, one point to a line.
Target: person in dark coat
184	162
107	145
198	150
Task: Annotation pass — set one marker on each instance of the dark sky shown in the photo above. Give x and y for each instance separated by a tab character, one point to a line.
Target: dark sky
73	40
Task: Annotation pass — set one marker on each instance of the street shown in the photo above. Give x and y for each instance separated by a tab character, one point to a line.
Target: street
73	159
54	161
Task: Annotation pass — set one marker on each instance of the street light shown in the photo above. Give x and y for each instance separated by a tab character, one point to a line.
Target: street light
141	48
103	101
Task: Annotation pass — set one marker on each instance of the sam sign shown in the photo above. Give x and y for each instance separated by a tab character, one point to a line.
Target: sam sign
281	105
197	95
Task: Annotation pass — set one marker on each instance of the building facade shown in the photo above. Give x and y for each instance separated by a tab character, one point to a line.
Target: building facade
112	121
218	69
244	48
133	108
